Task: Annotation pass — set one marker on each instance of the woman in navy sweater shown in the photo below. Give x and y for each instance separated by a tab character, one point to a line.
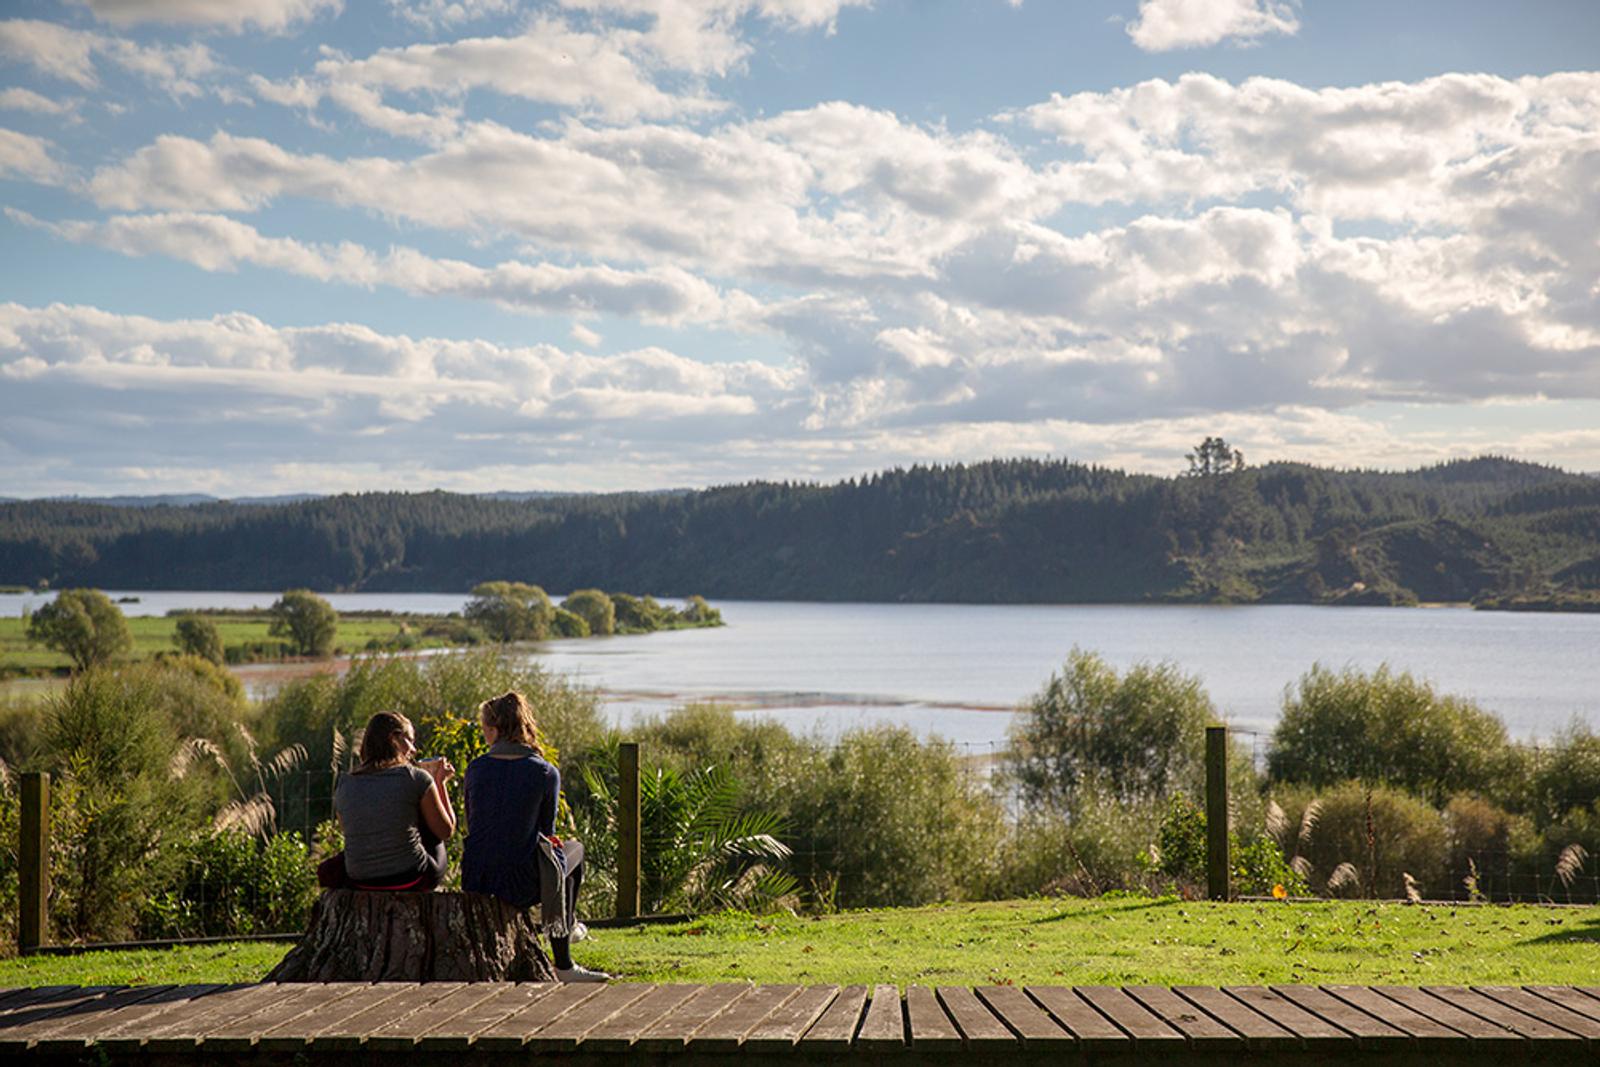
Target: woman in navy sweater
511	849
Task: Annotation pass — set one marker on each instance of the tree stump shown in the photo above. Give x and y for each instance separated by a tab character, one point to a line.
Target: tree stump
358	936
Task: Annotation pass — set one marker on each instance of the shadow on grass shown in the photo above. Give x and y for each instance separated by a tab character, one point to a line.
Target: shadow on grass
1111	908
1585	932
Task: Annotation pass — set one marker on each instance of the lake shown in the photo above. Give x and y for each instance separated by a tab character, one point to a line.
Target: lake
959	670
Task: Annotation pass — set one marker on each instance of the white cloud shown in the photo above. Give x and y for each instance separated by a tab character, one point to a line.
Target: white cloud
72	55
18	99
28	157
585	336
434	14
233	15
666	295
1163	25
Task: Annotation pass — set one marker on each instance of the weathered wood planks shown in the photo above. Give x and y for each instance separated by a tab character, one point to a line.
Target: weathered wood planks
206	1023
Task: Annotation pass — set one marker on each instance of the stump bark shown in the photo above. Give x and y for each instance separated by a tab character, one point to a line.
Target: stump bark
357	936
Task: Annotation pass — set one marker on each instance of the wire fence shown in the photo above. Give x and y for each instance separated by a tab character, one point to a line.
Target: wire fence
891	836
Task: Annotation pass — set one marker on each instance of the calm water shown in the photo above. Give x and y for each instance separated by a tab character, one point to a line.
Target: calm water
958	670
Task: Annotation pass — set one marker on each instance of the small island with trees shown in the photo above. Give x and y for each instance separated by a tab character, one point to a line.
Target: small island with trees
83	628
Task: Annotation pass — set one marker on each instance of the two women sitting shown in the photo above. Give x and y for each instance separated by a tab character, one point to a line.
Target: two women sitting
396	815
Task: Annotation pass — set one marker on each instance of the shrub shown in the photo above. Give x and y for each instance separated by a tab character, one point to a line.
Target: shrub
307	620
510	611
697	612
638	615
1490	846
84	625
1135	736
1099	845
1565	775
1408	838
595	608
1389	728
196	636
565	623
228	882
883	818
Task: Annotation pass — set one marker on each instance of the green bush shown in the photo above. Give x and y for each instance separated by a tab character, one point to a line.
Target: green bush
84	625
1101	844
639	615
510	611
227	882
1408	837
308	621
1138	736
1489	846
1565	775
565	623
196	636
1389	728
595	609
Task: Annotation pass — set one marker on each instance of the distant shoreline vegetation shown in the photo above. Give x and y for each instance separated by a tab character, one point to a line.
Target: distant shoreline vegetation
89	628
1493	532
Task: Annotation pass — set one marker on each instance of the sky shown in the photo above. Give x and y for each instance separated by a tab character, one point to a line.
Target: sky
285	246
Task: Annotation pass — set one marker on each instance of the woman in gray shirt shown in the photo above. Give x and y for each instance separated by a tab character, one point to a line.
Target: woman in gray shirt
396	814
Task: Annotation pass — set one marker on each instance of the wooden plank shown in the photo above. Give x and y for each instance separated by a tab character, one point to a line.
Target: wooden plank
978	1025
837	1028
180	1030
1544	1010
565	1034
1426	1033
1093	1031
1259	1032
297	1034
1481	1006
1572	999
10	995
1147	1031
17	1039
884	1026
927	1026
17	999
1313	1031
241	1035
60	999
403	1035
1200	1029
780	1030
1031	1023
351	1032
78	1035
459	1032
672	1031
1367	1031
1477	1030
726	1031
618	1033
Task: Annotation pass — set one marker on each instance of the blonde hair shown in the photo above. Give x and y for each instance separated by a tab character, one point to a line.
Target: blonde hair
512	718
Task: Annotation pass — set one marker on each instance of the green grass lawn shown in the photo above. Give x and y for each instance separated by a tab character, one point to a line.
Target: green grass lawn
1120	941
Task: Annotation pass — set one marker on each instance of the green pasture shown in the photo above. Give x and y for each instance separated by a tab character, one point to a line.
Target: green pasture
1066	941
153	634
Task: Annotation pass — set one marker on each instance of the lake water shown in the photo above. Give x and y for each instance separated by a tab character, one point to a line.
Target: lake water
960	670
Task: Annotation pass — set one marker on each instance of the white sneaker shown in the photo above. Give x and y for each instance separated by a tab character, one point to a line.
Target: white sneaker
579	931
576	973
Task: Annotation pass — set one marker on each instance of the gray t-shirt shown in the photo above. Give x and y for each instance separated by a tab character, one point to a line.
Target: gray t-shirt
380	812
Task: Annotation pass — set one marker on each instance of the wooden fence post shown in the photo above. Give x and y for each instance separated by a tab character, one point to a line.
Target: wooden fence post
33	855
1217	812
628	826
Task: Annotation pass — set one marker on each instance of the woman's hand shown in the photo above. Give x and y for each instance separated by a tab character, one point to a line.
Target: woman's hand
441	769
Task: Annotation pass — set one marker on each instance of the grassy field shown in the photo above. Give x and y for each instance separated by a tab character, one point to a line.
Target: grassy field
153	634
1047	942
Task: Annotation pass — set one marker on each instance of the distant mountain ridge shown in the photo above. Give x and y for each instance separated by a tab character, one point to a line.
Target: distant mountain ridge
1488	529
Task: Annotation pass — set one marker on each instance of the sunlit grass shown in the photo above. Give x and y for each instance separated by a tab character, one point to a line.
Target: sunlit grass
1120	941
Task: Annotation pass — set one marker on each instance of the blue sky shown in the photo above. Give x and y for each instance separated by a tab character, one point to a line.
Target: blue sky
299	245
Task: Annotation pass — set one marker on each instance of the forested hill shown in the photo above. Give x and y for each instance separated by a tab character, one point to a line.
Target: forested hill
1001	531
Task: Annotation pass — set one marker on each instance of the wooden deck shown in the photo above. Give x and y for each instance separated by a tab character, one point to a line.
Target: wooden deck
683	1024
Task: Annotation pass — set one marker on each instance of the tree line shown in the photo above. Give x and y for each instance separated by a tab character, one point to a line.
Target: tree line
1493	530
